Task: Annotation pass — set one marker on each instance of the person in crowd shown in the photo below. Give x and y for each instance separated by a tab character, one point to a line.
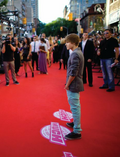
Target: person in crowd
48	46
64	56
35	49
50	50
74	84
42	57
27	56
1	50
106	51
17	56
60	49
88	49
55	51
8	59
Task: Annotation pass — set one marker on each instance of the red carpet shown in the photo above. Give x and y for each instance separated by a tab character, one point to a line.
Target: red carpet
27	109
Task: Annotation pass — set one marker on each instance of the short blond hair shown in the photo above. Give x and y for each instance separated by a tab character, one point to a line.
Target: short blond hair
62	41
73	38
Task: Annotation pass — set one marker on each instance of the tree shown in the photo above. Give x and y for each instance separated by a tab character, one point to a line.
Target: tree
4	2
53	28
40	27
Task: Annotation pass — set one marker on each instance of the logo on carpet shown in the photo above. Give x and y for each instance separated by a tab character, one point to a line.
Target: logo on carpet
55	133
67	154
63	115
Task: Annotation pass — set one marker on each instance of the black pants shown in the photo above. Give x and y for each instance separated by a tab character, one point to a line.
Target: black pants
35	58
64	63
89	70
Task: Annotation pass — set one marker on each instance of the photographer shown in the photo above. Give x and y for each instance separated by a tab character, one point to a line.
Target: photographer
8	59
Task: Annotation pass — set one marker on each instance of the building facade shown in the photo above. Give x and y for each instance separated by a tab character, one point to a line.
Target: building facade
91	19
77	7
113	15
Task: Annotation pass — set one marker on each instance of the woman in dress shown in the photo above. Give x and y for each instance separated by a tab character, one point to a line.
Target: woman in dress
42	57
27	56
17	56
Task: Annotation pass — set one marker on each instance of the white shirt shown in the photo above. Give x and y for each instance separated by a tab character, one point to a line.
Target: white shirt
47	43
36	46
70	52
43	44
83	44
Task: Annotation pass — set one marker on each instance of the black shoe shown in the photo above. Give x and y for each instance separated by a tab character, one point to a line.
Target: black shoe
7	83
84	82
32	74
71	125
90	85
72	136
25	74
110	90
16	82
103	87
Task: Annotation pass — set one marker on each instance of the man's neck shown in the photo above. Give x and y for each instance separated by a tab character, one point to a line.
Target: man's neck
85	39
108	38
74	48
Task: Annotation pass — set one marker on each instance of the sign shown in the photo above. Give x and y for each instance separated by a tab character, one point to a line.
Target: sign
114	17
63	115
55	133
3	9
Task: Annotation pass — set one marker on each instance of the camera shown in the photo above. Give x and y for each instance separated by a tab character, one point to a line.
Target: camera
7	41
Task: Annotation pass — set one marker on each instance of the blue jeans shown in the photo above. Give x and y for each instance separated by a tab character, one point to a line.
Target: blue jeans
74	102
107	72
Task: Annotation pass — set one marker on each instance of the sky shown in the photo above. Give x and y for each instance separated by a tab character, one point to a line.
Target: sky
50	10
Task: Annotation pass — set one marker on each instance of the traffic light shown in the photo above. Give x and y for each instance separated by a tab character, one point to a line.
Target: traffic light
61	28
33	30
24	20
81	30
70	16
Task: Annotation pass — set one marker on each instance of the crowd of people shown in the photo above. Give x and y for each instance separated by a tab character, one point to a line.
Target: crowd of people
75	54
41	52
45	51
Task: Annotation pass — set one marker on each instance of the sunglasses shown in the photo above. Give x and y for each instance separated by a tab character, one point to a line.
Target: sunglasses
106	33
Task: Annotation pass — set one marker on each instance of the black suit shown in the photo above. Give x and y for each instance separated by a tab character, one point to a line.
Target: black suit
88	54
65	56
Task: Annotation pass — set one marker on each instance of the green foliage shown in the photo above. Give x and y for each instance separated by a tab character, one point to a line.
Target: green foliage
40	27
53	28
4	2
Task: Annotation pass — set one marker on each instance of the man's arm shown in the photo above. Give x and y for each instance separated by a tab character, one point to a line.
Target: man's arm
116	54
74	70
70	79
3	48
12	47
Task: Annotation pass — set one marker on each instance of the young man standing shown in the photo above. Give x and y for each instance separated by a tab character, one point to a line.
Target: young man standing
108	49
74	84
8	59
88	49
